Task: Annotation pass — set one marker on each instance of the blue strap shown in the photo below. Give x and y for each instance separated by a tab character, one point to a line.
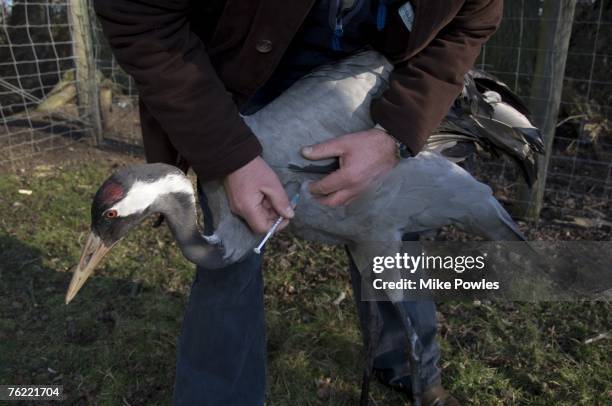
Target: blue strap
381	16
338	33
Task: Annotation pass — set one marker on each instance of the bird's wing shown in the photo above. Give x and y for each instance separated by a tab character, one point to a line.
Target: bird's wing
512	142
485	81
435	192
471	100
377	198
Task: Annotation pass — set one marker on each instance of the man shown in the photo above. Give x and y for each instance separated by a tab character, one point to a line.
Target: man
198	65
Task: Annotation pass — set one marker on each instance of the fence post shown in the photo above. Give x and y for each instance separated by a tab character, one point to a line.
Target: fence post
545	98
85	64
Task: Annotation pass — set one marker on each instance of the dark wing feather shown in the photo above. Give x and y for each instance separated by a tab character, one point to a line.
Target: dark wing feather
485	81
469	127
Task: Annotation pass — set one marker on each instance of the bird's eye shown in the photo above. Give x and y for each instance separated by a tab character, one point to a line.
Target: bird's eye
110	214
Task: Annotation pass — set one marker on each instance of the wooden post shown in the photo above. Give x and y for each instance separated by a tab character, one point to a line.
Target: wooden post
545	98
85	64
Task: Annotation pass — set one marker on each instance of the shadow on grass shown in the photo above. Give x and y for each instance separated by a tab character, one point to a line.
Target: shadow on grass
115	341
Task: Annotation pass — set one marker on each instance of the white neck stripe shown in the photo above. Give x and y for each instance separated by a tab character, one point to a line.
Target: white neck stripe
142	194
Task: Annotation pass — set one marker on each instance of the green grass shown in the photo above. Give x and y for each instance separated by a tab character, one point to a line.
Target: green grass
116	342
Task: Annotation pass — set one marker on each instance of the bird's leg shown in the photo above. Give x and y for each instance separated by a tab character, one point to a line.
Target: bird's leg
362	253
414	353
373	331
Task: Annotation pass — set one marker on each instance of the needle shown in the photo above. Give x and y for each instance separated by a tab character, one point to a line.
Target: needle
277	223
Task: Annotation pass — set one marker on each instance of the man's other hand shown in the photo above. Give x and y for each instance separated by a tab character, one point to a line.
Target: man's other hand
256	195
364	157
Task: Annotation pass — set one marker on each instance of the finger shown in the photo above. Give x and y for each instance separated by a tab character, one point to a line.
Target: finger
266	205
337	199
258	219
331	183
328	149
271	216
283	225
278	199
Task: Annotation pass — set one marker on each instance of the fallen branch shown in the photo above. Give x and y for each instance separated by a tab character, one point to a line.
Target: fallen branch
58	99
585	222
62	93
598	337
339	299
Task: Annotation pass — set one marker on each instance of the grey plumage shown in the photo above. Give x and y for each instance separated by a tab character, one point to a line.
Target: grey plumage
422	193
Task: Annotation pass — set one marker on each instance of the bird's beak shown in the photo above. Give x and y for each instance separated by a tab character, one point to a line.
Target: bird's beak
92	255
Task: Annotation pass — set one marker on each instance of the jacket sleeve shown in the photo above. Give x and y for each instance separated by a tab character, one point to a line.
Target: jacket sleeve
422	89
153	42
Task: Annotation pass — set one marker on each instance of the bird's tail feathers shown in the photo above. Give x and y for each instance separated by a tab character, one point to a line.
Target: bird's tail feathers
491	117
485	81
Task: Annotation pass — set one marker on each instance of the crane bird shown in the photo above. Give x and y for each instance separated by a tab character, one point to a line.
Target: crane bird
422	193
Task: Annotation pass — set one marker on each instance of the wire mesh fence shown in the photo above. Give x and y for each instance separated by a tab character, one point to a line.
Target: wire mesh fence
36	79
39	94
119	97
578	184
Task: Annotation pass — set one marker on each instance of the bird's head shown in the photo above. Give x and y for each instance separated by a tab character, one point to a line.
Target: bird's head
122	202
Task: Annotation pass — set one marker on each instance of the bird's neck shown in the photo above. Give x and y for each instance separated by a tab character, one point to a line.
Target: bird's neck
180	212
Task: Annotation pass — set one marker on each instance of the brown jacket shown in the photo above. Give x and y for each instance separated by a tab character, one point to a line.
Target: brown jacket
195	61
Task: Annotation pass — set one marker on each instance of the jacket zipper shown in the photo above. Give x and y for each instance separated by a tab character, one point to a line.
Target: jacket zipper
338	32
381	15
339	17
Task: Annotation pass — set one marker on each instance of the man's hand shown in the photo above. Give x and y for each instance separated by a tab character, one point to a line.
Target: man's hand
364	157
256	195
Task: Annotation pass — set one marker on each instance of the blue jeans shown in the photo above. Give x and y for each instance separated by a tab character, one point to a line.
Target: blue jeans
222	349
221	357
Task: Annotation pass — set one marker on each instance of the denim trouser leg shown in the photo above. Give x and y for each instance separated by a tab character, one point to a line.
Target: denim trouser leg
222	355
221	358
391	359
